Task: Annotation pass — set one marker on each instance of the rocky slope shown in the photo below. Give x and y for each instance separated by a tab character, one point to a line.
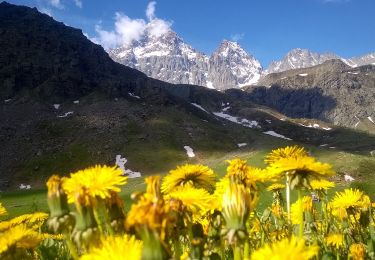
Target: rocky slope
333	92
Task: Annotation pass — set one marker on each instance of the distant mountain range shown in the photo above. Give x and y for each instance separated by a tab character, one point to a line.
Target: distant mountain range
169	58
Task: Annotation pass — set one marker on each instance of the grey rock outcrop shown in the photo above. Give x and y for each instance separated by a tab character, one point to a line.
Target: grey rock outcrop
230	65
164	57
333	92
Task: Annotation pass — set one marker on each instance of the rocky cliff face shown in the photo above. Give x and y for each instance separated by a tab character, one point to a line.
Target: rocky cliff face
169	58
164	57
230	65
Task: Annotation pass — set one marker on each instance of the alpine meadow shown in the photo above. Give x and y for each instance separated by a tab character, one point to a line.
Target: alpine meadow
187	130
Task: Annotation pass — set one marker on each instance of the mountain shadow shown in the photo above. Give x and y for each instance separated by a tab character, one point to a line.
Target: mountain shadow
296	103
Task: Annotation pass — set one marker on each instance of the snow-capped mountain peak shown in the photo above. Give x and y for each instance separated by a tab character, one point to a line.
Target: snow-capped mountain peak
231	65
167	57
299	58
362	60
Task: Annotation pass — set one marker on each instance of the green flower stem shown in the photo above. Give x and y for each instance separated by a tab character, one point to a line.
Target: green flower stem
71	247
237	252
108	222
301	223
288	196
246	250
98	220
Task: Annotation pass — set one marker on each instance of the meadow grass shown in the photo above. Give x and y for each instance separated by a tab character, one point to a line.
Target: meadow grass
27	201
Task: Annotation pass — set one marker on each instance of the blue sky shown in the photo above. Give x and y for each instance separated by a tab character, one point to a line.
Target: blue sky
268	29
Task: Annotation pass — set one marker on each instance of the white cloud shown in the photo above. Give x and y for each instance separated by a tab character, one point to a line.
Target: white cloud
108	39
158	27
56	3
237	37
78	3
126	30
129	29
150	10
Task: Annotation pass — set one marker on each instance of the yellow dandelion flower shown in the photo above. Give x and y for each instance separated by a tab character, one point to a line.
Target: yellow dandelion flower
321	184
286	152
237	203
239	168
278	235
94	182
20	237
116	247
3	211
185	256
255	226
54	185
349	198
301	165
295	213
196	201
154	214
357	251
256	175
153	191
33	221
277	210
366	202
276	187
286	249
221	187
335	240
198	176
339	213
206	224
53	236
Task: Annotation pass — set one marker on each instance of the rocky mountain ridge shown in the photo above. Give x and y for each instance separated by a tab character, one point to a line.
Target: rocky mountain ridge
303	58
167	57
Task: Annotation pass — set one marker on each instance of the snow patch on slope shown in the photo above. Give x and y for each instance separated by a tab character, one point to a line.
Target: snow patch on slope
200	107
66	114
237	120
273	133
189	151
316	126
